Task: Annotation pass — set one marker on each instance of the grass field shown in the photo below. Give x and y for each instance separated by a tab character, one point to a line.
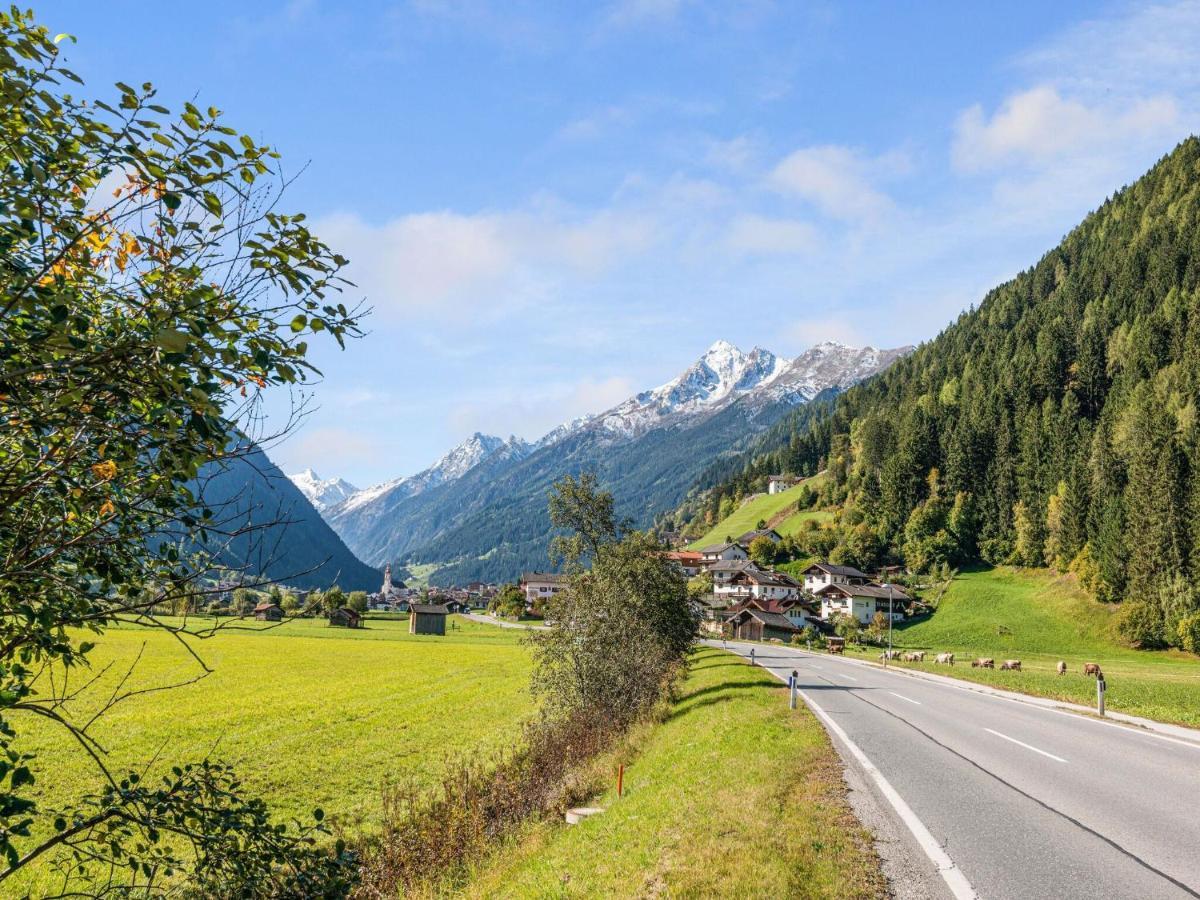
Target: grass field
311	715
734	795
766	507
1040	618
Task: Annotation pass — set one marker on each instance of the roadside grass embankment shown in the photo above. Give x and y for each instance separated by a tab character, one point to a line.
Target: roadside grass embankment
769	508
309	714
731	794
1040	617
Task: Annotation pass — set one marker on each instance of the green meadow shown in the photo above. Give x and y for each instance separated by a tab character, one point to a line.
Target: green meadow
1040	618
770	508
311	715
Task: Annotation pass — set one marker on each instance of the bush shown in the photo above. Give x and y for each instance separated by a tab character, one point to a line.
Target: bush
1189	633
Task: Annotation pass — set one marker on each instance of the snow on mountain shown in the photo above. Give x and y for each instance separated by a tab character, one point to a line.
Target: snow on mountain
829	365
450	467
723	374
322	493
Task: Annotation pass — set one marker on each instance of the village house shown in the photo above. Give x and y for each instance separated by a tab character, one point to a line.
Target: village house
541	585
690	561
823	574
753	624
268	612
764	585
344	617
711	611
717	552
798	611
723	572
777	484
428	618
748	538
862	601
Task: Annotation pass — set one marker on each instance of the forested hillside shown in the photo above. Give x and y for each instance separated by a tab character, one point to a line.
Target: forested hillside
1055	424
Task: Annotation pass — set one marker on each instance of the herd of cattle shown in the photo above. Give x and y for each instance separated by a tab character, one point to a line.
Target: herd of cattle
982	662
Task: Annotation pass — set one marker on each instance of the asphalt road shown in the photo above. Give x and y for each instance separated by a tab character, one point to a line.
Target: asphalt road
1025	802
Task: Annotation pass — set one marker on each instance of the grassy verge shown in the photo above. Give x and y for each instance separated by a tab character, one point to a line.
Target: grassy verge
310	715
1041	618
766	507
732	794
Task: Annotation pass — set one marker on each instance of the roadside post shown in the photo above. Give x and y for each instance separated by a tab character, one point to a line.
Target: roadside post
752	656
1101	687
792	684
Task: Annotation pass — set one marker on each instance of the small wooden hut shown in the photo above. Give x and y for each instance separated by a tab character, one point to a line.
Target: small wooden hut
268	612
345	617
427	618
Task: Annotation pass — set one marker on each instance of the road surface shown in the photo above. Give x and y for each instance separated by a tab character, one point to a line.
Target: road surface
1012	800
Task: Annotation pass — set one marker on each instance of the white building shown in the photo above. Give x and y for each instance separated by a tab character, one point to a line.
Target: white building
717	552
777	484
541	585
823	574
862	601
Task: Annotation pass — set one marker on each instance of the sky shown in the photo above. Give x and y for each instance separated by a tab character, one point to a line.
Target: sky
550	207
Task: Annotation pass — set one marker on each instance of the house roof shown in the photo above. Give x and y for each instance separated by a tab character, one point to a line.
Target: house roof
265	605
436	609
757	533
544	577
768	579
783	478
685	555
721	548
775	620
831	569
732	565
348	611
878	591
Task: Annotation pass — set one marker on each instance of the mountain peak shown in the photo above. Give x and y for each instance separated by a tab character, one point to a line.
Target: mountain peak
322	493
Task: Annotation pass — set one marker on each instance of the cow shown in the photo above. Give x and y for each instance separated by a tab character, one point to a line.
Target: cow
1062	667
947	658
890	654
1091	669
1013	665
917	656
983	662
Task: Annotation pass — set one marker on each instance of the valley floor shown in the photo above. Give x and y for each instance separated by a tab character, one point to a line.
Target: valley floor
732	795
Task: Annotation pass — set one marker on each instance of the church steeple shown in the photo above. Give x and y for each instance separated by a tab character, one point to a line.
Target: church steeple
387	580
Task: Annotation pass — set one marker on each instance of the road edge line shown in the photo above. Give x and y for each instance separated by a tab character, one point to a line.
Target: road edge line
955	880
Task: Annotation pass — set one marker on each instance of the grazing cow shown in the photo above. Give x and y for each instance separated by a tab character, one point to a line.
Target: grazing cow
947	658
1091	669
1062	667
1013	665
890	654
983	662
918	656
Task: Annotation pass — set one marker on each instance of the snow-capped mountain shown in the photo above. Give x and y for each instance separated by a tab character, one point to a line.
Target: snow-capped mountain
322	493
719	377
480	511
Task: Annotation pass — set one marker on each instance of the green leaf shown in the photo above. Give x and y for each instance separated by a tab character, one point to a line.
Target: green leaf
299	323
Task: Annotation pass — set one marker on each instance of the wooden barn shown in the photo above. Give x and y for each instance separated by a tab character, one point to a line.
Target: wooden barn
756	625
427	618
268	612
345	618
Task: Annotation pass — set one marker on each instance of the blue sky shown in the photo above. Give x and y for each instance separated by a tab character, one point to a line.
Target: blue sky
552	206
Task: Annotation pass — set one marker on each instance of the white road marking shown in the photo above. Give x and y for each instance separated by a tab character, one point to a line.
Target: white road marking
902	697
959	886
1025	745
844	675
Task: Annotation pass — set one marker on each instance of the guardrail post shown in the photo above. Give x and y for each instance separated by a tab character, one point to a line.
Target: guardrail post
752	656
792	683
1101	687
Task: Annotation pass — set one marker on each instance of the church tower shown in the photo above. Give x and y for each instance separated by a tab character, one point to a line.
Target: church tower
386	590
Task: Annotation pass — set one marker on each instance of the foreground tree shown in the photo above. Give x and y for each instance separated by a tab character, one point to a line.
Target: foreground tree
622	629
149	291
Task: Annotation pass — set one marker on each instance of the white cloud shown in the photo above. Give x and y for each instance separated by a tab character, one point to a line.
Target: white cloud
321	446
735	154
625	13
591	126
761	235
837	180
453	266
1039	125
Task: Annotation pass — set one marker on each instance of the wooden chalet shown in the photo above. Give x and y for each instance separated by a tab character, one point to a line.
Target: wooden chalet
427	618
344	617
268	612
